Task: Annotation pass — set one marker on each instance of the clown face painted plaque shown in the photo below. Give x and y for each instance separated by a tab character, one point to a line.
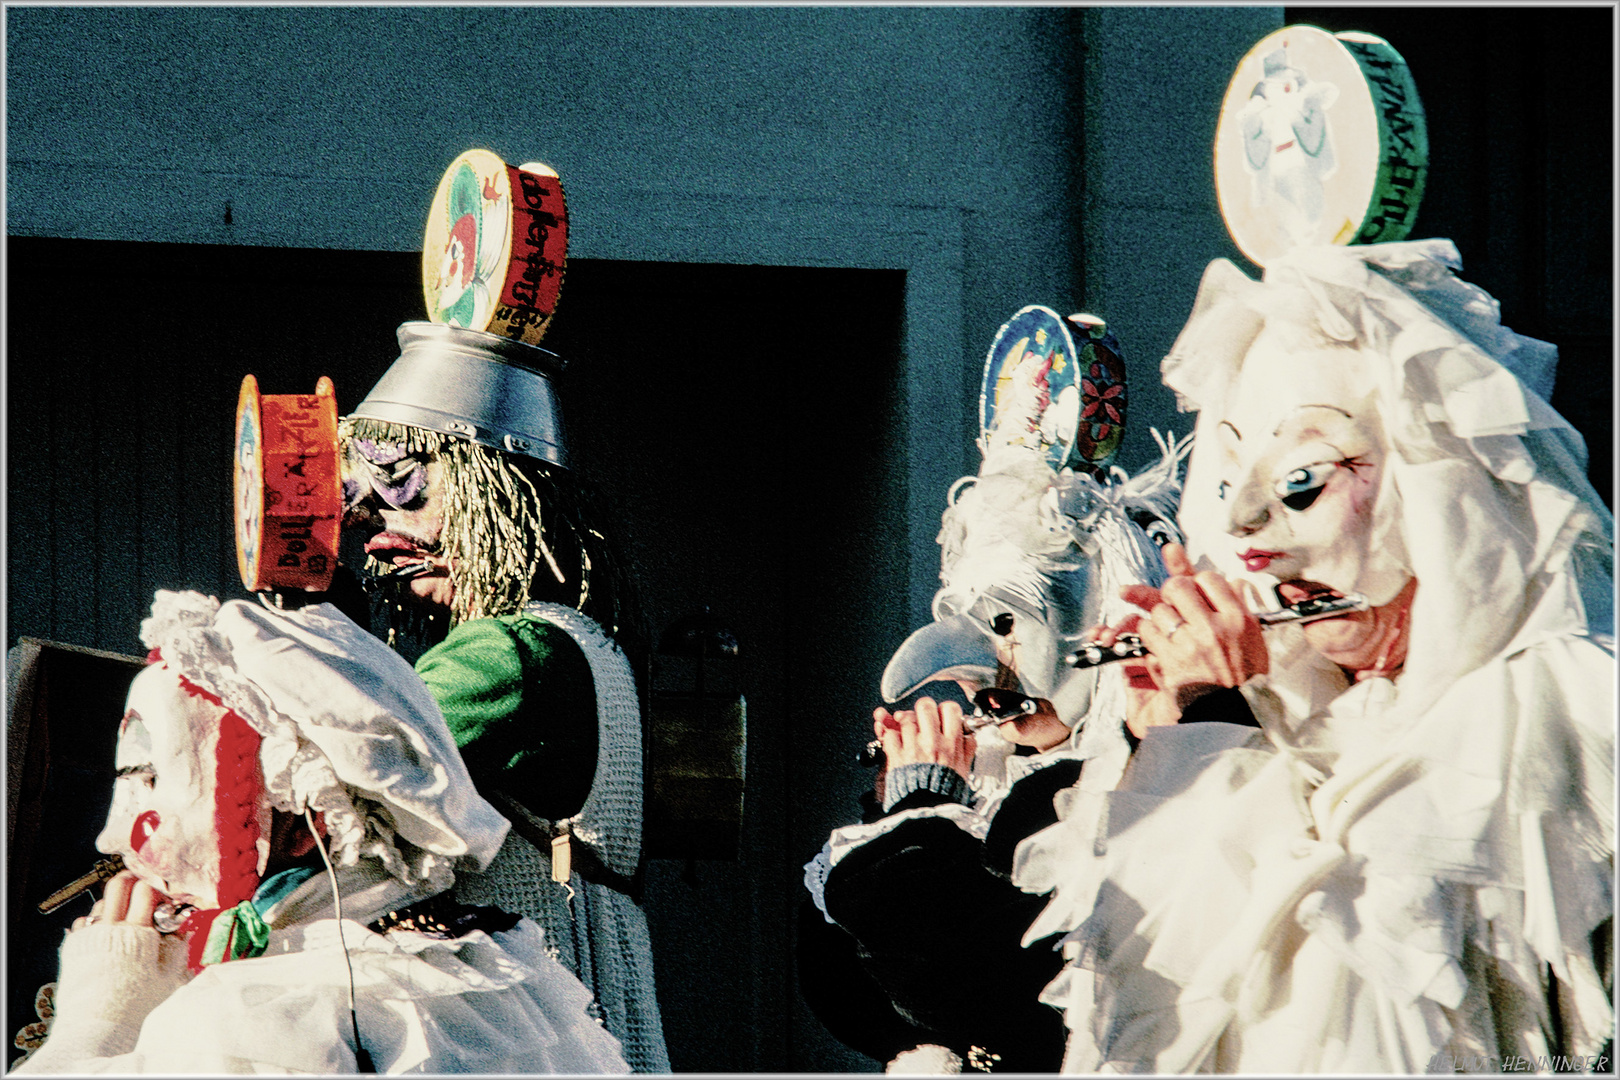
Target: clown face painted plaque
1056	386
1321	140
497	241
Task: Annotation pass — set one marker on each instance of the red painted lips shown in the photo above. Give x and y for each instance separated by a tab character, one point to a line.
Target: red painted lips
1255	560
387	546
144	827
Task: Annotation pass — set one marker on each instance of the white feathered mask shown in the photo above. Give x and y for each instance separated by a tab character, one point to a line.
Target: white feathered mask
1035	550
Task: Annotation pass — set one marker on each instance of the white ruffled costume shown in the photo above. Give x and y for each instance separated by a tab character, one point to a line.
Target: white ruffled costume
349	730
1396	875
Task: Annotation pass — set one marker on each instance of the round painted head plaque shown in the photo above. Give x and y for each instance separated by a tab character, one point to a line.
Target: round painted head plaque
496	245
1031	396
1321	140
1102	394
288	489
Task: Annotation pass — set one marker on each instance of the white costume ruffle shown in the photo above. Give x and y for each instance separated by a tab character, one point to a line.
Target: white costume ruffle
1353	922
340	716
482	1003
925	1060
849	837
350	730
1394	870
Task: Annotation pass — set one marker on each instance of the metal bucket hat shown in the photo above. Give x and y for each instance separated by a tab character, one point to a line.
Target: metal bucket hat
481	387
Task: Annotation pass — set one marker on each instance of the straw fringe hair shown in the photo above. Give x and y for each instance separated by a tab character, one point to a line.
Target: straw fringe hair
514	531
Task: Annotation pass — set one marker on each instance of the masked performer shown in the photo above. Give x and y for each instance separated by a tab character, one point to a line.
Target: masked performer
252	731
914	949
1413	864
456	459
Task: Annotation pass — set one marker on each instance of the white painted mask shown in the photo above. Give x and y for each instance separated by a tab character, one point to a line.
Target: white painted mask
163	819
1302	453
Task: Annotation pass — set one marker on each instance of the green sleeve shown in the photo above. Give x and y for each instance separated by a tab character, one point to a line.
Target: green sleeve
519	699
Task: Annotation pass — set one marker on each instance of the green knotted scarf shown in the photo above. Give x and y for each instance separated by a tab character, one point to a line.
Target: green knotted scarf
240	932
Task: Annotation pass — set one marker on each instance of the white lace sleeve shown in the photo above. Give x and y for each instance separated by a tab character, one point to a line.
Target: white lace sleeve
847	839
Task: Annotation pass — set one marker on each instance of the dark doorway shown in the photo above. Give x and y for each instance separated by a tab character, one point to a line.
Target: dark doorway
742	426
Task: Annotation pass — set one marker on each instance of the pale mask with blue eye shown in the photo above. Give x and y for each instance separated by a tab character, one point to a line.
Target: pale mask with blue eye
1302	470
1299	489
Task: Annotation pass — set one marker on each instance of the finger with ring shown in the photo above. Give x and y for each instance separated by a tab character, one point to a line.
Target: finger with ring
1167	620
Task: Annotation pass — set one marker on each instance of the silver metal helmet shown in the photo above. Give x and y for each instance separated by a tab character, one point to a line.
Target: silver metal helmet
472	385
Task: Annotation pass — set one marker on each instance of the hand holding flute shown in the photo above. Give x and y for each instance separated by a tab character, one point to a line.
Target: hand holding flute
126	900
929	733
1199	636
124	894
1110	646
104	870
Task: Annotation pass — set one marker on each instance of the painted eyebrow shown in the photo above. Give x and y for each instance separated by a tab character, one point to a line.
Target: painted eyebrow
1228	424
1301	409
131	770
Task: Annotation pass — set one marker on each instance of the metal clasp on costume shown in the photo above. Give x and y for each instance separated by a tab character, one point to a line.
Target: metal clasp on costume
981	1059
169	917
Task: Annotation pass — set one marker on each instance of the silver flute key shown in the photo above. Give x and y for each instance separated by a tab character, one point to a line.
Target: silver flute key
871	754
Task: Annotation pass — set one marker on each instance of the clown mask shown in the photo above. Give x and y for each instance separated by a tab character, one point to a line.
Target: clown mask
187	814
400	496
1302	475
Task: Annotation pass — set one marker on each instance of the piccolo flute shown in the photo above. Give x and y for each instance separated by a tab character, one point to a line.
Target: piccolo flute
871	754
168	918
104	870
1129	646
403	573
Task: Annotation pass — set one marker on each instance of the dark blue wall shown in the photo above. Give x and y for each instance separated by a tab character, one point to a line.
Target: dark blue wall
952	143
